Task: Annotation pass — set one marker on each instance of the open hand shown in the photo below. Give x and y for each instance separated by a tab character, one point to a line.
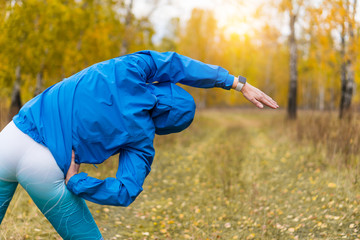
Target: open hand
257	97
73	169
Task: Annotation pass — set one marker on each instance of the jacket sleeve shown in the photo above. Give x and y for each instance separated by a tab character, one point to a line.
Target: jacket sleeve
176	68
134	166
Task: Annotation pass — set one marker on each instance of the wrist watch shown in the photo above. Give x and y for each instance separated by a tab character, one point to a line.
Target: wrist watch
241	83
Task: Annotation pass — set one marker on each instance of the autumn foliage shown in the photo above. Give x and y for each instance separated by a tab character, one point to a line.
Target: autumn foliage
42	42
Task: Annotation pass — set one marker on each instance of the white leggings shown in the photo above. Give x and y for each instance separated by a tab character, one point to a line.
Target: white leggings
24	161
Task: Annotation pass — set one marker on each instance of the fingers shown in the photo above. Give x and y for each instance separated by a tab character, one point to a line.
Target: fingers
258	104
268	101
255	101
257	97
272	102
265	99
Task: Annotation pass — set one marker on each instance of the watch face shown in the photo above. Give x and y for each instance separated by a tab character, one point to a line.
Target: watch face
242	79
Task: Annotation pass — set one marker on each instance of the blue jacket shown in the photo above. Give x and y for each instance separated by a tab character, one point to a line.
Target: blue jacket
111	108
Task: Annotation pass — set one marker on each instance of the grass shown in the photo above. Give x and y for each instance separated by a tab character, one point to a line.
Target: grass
232	175
340	138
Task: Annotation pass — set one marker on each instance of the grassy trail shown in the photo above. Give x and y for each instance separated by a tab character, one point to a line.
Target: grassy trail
233	175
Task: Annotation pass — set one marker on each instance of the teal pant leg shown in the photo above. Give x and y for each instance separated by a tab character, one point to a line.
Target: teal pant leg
68	213
7	190
41	177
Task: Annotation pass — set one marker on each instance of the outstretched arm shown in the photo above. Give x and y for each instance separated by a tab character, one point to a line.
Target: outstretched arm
176	68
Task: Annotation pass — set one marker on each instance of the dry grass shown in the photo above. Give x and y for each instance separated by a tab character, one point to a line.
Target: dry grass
232	175
338	139
339	136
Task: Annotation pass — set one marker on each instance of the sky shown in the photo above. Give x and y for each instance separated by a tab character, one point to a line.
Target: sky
234	15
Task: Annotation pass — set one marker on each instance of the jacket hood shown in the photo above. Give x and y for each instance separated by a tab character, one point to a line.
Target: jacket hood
174	110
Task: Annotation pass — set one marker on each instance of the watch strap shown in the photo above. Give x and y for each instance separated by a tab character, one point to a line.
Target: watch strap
241	83
239	86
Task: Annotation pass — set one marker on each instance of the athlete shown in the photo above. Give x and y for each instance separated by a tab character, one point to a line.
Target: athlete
115	106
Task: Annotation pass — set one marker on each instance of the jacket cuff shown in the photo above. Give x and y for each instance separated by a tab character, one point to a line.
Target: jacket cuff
229	82
74	180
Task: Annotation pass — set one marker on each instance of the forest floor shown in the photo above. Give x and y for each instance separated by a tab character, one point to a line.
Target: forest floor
235	174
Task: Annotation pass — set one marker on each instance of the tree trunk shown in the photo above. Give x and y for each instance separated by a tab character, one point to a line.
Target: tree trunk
343	72
347	89
127	35
15	96
348	57
292	99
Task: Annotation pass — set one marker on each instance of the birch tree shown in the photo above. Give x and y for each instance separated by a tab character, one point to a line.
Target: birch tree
292	8
348	55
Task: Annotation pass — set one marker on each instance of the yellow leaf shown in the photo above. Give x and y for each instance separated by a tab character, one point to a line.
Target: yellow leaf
251	236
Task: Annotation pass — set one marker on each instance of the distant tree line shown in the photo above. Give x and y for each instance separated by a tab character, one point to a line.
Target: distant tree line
42	42
316	67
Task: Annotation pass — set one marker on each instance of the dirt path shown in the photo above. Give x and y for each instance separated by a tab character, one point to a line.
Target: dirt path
233	175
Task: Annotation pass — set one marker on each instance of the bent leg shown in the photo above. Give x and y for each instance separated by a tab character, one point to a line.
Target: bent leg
7	190
68	213
11	149
41	177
